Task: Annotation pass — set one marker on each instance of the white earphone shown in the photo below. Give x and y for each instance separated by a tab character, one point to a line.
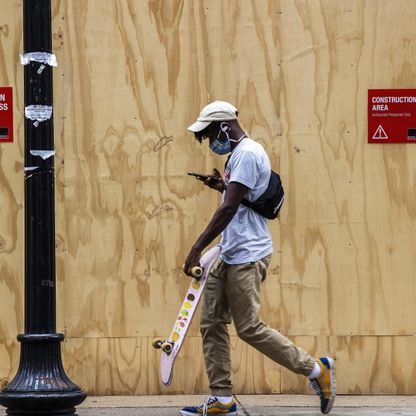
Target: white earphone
224	127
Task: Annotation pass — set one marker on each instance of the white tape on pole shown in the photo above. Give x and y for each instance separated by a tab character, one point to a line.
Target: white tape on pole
38	112
42	57
44	154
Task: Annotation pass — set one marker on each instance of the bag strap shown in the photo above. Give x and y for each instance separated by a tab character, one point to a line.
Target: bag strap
244	201
226	162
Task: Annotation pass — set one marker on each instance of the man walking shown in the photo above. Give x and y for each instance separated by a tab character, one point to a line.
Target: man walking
233	286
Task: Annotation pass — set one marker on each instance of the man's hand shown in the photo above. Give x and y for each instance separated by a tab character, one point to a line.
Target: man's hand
214	181
192	260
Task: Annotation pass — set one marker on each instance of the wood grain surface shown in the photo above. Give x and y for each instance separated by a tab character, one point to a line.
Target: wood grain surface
131	76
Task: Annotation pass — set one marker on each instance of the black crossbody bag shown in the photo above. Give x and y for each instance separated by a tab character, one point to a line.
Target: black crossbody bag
270	202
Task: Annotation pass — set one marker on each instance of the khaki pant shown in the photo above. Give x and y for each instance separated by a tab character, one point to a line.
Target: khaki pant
233	291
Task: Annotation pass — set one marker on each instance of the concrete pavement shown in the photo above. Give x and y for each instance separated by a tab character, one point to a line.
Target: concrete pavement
258	405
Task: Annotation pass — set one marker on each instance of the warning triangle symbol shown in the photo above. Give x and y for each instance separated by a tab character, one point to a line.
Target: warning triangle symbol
380	134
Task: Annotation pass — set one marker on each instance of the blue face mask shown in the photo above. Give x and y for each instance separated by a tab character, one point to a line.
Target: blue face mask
221	146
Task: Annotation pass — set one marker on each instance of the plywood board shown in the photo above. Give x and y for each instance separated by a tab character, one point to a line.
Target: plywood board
131	77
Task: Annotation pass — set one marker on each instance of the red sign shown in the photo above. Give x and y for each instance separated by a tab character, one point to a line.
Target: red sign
392	116
6	114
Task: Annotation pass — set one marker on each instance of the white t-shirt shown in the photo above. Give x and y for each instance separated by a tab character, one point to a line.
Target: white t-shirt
247	237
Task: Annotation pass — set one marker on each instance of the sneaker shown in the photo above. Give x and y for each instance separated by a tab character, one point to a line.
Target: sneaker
325	384
211	406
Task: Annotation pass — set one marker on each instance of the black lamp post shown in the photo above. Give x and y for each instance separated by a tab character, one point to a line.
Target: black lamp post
40	386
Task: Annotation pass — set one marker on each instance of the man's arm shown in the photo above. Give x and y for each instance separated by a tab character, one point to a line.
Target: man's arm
222	217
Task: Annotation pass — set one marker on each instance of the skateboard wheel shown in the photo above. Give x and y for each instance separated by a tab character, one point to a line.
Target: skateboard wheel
166	347
196	272
157	343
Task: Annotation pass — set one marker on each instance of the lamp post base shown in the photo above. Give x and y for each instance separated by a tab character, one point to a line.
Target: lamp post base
41	386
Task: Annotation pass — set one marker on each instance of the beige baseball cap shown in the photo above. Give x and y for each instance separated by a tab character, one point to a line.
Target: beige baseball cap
215	111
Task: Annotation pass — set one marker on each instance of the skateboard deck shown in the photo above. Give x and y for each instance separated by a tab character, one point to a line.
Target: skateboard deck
171	346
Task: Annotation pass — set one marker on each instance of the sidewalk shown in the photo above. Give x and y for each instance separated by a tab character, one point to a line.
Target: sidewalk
259	405
270	405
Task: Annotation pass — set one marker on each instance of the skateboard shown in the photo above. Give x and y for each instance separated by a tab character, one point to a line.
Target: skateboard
170	347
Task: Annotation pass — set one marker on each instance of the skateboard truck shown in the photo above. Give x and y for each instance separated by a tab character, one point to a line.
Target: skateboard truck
163	344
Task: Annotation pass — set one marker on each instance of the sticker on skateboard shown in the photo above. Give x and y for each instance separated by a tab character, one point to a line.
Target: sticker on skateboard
170	347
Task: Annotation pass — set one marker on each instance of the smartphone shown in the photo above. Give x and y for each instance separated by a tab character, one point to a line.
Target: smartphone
199	175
